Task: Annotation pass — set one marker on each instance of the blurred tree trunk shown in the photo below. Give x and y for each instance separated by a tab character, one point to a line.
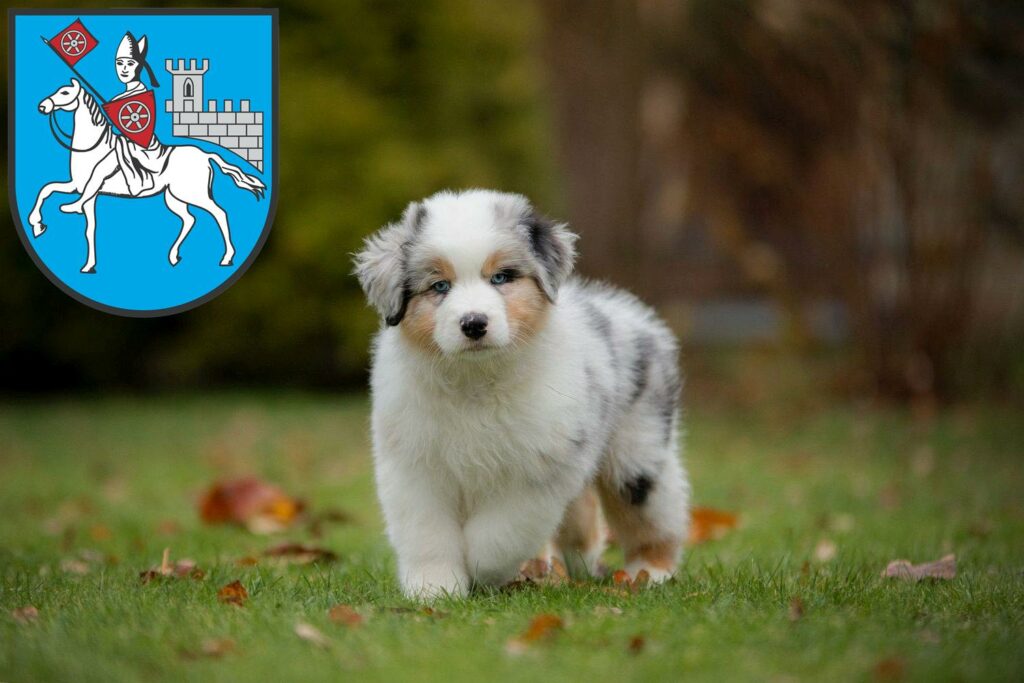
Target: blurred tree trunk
594	56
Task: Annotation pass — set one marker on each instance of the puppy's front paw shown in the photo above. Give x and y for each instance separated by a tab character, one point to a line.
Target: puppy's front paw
431	583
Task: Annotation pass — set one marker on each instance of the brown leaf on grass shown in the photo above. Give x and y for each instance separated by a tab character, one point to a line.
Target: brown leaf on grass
347	615
825	551
247	561
708	524
636	645
180	569
318	521
944	569
217	647
296	553
233	594
210	647
250	502
311	634
25	615
889	669
542	627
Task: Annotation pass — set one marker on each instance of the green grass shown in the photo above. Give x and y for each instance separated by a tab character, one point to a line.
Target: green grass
105	476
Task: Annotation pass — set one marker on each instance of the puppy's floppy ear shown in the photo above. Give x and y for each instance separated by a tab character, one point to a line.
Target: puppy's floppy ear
381	265
554	247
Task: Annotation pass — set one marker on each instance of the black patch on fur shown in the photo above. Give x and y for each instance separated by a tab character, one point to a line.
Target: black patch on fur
602	324
545	246
397	317
641	365
638	489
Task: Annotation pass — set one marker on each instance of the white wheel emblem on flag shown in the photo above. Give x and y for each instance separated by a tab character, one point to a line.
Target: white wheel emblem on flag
73	43
134	116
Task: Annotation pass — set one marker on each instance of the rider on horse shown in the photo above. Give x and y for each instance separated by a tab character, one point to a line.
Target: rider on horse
135	162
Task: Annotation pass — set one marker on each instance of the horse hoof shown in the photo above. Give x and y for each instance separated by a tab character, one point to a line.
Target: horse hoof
38	232
89	271
230	262
174	263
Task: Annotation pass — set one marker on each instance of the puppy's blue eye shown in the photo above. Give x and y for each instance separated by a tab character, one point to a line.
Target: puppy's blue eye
441	286
500	278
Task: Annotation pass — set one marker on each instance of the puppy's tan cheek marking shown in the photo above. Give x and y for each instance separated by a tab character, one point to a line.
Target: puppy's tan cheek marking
661	555
418	323
525	305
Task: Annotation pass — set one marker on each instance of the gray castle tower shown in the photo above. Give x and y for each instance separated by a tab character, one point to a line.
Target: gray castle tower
240	131
188	84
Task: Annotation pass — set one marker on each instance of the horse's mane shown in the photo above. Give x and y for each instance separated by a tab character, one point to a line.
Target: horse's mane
98	117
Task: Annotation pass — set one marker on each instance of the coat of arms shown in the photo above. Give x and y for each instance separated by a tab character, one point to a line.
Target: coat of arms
114	113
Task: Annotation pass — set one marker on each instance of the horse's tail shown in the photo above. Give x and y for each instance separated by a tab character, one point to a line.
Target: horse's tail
242	179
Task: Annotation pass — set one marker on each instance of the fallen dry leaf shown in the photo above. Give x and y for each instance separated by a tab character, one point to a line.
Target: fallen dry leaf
333	516
347	615
708	524
180	569
941	569
211	647
25	615
260	507
889	669
296	553
311	634
542	627
825	551
233	594
636	645
217	647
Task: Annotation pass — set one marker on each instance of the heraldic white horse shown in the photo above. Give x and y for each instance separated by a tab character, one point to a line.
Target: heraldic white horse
185	179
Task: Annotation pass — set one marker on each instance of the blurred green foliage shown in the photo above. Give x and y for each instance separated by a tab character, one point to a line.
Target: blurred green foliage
381	103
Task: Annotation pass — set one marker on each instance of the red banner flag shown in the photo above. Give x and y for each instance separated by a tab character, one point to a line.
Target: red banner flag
134	116
73	43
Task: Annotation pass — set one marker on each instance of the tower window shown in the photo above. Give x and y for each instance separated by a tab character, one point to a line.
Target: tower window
189	92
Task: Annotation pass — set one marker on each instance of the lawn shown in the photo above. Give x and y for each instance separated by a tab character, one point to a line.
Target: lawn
93	489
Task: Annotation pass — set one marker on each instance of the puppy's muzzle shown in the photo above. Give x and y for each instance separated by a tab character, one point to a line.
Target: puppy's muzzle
474	325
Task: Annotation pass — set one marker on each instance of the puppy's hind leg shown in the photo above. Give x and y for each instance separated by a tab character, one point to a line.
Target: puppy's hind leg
645	495
580	539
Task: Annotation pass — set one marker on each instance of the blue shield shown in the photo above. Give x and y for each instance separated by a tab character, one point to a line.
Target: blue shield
143	150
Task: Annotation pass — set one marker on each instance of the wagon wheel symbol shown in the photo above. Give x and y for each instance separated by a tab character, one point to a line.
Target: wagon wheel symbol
133	116
73	43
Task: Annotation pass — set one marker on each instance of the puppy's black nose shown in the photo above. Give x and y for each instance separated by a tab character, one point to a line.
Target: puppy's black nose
474	325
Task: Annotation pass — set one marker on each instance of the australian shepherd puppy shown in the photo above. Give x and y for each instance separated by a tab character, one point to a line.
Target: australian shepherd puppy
508	398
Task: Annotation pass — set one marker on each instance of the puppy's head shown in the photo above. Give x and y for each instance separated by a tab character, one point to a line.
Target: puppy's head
466	271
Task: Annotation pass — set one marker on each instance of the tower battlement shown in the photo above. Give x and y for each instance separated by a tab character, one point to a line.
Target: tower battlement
190	70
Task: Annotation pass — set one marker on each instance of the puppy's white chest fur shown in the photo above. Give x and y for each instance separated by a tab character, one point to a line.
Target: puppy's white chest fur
479	426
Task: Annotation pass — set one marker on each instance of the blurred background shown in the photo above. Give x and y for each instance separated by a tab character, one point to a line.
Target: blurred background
829	192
